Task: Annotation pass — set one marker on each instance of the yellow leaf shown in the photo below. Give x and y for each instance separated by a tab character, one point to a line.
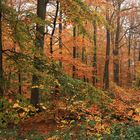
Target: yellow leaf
22	114
108	130
130	113
16	105
137	110
63	121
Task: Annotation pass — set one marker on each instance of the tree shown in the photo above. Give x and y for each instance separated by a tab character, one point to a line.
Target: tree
74	51
54	26
1	60
117	41
41	13
107	59
60	33
95	53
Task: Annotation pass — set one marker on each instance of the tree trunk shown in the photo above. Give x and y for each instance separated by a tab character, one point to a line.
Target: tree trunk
107	59
83	55
41	12
116	49
95	54
19	81
60	35
54	26
129	50
74	53
134	59
1	59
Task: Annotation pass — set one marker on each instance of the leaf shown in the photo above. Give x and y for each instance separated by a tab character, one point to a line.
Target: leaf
1	104
136	118
138	110
83	126
130	113
108	131
16	105
91	123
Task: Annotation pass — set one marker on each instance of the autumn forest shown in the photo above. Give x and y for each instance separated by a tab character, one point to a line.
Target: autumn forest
69	70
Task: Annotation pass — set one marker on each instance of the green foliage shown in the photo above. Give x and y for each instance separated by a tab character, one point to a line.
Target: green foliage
119	132
21	24
8	133
12	112
136	83
68	88
13	134
8	116
91	123
32	135
123	132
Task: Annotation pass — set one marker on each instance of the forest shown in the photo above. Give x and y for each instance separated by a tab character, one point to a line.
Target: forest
69	70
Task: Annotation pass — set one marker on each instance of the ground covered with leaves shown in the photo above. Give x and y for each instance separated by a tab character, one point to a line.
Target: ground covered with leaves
115	115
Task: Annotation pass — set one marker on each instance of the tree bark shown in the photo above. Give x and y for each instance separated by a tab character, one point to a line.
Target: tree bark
83	55
19	81
107	59
54	26
74	53
129	51
95	54
116	49
60	35
1	57
41	12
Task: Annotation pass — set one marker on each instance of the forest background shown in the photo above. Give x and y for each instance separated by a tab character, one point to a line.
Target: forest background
74	62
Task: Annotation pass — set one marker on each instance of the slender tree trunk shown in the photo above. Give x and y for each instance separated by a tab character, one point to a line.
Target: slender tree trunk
121	70
83	56
129	51
19	81
134	59
95	54
107	59
41	12
116	49
74	53
1	59
54	26
60	35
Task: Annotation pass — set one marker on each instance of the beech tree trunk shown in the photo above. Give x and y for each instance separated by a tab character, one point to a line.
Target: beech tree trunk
19	81
54	26
60	34
95	54
106	68
83	55
134	61
74	53
129	51
107	59
41	12
1	60
116	49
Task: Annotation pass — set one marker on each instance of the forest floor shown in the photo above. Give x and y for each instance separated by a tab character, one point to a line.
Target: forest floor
124	108
49	121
